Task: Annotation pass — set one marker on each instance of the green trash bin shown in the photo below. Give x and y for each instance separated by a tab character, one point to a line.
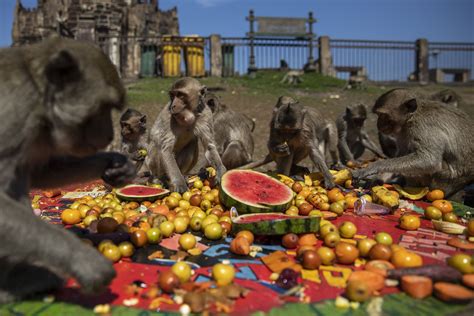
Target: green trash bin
228	60
148	60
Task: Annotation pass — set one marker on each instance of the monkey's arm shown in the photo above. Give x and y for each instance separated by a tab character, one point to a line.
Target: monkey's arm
370	145
113	167
318	160
342	142
165	154
30	239
419	162
206	135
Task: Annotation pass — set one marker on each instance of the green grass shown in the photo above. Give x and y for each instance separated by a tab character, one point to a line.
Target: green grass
154	90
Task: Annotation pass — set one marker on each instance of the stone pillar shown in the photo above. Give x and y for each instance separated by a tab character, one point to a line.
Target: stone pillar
325	58
216	55
421	62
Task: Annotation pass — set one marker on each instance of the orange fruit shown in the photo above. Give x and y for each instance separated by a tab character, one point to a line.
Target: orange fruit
335	194
160	209
351	200
434	195
71	217
406	259
409	222
443	205
308	240
246	234
146	203
470	227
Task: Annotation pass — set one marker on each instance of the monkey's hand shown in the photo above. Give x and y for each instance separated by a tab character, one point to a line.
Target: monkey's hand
178	185
119	170
282	150
364	173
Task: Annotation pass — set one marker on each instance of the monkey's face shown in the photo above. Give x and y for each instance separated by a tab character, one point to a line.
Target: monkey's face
82	89
357	114
186	100
288	117
133	127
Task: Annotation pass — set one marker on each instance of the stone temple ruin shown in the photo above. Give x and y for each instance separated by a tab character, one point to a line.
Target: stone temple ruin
120	27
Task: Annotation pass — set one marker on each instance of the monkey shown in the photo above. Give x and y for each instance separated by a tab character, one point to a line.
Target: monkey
293	77
353	140
233	133
134	136
57	98
446	97
186	120
433	140
297	131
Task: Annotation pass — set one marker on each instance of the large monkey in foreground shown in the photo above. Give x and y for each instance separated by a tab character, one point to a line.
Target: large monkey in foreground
434	142
56	102
181	125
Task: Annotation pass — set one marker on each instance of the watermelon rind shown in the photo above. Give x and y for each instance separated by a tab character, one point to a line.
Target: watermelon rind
148	197
280	226
244	207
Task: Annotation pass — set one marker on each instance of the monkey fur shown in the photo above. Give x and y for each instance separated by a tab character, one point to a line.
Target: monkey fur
434	142
233	133
56	104
353	139
183	123
134	136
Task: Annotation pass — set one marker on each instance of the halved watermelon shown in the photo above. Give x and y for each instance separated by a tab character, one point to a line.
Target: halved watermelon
135	192
254	192
275	223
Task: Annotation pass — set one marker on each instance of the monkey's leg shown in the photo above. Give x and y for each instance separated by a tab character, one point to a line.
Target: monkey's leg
114	168
28	239
234	155
318	160
357	149
331	144
258	163
177	181
206	134
344	150
284	164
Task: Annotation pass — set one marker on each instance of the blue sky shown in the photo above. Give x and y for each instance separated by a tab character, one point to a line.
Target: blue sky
436	20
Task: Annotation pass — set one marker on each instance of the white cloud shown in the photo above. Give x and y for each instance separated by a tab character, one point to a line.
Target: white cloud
212	3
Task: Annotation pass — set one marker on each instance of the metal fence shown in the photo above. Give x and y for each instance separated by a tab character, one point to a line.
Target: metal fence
451	55
382	60
269	52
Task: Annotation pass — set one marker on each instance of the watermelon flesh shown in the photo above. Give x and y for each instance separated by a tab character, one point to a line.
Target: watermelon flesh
254	192
136	192
274	223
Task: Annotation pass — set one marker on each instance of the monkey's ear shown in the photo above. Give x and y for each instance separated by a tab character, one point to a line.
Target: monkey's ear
410	106
62	69
203	91
447	98
143	119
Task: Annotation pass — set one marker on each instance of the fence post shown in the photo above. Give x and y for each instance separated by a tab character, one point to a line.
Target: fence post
216	55
422	60
310	65
325	60
252	68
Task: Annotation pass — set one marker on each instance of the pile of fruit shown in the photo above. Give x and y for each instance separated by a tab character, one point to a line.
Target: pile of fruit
205	212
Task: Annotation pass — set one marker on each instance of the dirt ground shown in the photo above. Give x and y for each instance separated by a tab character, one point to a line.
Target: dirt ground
257	99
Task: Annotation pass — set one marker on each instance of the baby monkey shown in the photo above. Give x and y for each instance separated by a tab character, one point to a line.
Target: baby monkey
134	136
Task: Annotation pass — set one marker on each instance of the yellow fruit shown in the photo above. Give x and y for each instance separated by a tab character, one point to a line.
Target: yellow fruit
409	222
412	193
406	259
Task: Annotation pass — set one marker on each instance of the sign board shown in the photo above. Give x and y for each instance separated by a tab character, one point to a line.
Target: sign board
281	26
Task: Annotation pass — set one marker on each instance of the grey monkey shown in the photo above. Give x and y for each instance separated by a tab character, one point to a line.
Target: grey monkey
297	131
233	133
56	104
181	125
353	139
434	142
134	136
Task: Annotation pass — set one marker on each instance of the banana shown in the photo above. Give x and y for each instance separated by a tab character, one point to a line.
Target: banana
385	197
341	176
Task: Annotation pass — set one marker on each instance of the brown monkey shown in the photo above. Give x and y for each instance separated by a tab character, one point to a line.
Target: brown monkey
434	142
233	133
56	104
185	121
134	136
296	132
447	97
353	140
